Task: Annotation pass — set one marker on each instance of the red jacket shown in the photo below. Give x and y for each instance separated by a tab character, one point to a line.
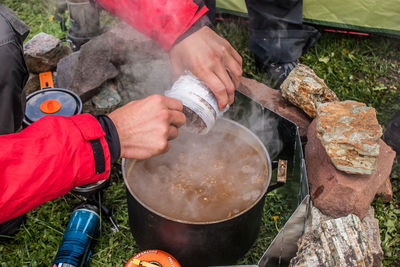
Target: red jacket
46	160
54	154
162	20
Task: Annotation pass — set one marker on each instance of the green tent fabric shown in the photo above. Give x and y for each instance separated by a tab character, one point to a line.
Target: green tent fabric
375	16
236	7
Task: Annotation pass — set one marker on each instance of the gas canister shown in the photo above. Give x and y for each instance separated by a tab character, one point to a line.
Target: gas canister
75	248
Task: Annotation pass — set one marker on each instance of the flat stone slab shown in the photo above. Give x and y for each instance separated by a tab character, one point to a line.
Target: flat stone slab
349	132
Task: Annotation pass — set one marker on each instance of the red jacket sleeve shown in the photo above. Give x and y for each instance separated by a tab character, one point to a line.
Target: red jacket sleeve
162	20
46	160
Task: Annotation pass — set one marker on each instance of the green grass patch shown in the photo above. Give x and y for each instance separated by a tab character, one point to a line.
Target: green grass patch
38	15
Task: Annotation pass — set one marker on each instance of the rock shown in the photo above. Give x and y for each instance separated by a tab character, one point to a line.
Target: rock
341	242
305	90
86	71
144	67
33	84
43	52
108	97
385	191
337	242
349	132
128	45
94	67
66	69
337	193
371	232
273	100
144	77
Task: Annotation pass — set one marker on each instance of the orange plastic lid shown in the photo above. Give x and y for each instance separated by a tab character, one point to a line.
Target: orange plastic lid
50	106
152	258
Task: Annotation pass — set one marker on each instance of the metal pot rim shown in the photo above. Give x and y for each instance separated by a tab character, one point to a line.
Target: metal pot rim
124	170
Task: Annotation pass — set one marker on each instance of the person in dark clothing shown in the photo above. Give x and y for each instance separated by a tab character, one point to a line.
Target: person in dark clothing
278	36
13	77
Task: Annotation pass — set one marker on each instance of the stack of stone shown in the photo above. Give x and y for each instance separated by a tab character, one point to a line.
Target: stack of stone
347	166
347	162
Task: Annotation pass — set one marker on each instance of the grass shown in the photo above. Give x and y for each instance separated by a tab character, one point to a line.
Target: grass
365	69
38	14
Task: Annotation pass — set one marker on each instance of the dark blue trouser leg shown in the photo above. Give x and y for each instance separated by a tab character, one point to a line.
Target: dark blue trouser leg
211	7
276	30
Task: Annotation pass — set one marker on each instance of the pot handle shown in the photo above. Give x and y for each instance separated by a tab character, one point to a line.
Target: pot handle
282	172
46	80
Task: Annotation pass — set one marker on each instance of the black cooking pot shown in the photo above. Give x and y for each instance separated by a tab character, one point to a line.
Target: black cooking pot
199	244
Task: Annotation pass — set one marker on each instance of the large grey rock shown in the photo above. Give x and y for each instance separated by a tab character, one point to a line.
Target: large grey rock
144	77
66	68
144	67
43	52
273	100
349	132
337	193
305	90
129	45
94	67
341	242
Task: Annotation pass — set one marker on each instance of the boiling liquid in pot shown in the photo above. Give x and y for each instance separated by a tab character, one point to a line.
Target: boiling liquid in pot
202	178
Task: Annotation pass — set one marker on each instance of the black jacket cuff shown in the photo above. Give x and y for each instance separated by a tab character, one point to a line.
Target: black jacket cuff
111	137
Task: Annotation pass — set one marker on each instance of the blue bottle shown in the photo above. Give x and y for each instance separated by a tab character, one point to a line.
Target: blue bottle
75	248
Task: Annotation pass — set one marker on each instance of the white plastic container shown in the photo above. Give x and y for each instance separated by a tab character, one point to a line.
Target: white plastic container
200	104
